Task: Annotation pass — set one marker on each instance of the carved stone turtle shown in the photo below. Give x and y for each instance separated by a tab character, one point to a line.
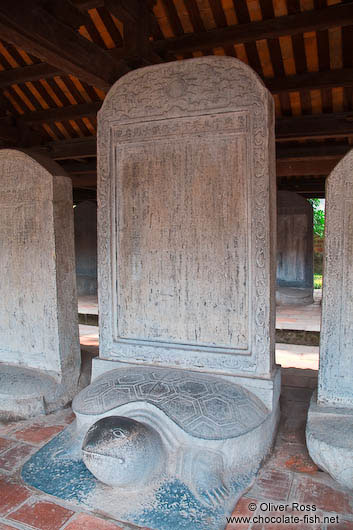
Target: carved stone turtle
187	424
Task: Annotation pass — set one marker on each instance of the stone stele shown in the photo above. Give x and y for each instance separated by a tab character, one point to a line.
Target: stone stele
39	344
294	249
85	221
330	420
186	271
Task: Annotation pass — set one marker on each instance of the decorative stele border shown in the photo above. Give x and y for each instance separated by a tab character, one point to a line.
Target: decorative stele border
336	360
194	87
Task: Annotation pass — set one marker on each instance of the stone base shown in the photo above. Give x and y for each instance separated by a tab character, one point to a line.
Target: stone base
86	285
294	296
202	432
330	442
25	393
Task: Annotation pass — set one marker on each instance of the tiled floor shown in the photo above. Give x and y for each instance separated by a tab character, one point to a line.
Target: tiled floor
289	476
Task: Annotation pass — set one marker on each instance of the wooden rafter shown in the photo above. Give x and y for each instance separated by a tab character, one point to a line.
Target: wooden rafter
32	72
311	81
71	112
69	149
334	125
26	24
312	166
318	19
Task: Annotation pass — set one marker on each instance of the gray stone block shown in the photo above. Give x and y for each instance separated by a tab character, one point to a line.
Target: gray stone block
38	303
330	420
85	222
294	249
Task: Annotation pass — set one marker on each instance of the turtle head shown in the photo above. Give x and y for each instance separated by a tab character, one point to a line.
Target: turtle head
121	451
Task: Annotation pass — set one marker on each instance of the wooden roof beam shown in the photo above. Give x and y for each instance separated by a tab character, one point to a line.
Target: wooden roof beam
66	12
315	20
71	112
70	149
84	5
125	10
312	166
26	24
32	72
322	151
311	81
315	126
137	19
306	186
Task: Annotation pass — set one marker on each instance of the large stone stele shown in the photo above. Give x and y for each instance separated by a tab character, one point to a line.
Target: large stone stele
85	221
294	249
39	344
186	230
330	421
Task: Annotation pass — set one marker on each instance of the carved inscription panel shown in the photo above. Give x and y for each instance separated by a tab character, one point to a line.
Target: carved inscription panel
336	344
345	361
27	279
182	231
291	251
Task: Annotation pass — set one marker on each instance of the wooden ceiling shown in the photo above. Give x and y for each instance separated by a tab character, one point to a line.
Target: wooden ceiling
58	59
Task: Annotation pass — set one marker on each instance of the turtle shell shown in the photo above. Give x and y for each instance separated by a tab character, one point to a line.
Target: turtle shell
202	405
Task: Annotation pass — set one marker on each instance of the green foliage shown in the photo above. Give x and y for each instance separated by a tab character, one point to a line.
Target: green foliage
317	281
319	217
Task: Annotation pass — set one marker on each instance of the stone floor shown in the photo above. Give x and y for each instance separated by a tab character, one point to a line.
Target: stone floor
295	356
301	317
289	476
88	304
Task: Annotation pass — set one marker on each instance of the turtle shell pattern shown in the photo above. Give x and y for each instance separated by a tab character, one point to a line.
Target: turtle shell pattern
202	405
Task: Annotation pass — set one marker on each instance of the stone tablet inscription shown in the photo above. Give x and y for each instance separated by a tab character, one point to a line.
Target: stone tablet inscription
345	361
291	251
38	307
182	266
26	280
336	342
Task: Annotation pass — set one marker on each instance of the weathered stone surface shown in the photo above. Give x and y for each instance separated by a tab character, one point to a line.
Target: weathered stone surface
330	423
330	440
294	296
38	305
123	452
186	218
294	249
203	406
25	392
85	221
336	359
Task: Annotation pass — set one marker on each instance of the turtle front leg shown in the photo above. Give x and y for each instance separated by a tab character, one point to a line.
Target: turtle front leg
204	471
